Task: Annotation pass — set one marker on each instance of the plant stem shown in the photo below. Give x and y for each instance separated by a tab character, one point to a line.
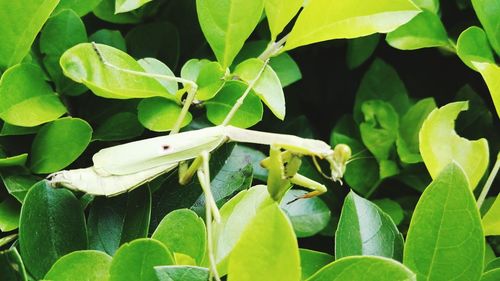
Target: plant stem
239	102
273	49
489	182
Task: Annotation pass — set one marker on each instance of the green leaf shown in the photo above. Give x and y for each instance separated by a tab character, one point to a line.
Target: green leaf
477	122
135	261
52	224
18	184
364	268
21	22
258	255
491	220
236	215
18	160
119	126
429	5
308	217
81	266
472	45
122	6
360	49
249	114
106	11
279	13
407	142
61	32
445	230
267	87
490	73
227	24
312	261
9	214
160	114
83	65
380	127
283	64
58	144
80	7
182	273
364	229
155	40
323	20
210	79
391	208
191	69
182	231
491	275
381	82
13	130
493	264
423	31
26	99
109	37
155	66
118	220
487	12
11	266
441	145
7	239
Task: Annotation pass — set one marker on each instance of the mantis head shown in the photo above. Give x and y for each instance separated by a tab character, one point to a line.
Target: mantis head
338	160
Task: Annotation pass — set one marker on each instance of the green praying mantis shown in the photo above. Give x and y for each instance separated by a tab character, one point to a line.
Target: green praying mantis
121	168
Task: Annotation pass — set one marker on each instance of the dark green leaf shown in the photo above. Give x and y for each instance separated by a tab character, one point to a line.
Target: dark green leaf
18	184
360	49
109	37
446	227
58	144
380	127
120	126
155	40
408	142
492	275
115	221
52	224
11	266
312	261
381	82
364	229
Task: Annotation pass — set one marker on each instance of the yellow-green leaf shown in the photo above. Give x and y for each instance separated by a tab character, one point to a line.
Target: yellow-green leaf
279	13
491	75
323	20
440	145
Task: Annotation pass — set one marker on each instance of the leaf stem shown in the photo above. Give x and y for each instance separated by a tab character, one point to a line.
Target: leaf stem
489	182
239	102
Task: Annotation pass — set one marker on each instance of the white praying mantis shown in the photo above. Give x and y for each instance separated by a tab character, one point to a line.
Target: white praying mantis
121	168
